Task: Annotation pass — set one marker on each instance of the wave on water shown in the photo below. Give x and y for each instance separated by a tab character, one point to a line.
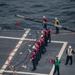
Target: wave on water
63	9
3	4
37	6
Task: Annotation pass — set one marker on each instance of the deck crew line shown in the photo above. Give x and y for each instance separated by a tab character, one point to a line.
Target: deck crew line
39	48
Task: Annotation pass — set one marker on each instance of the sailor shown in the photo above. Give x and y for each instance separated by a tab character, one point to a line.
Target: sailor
45	34
39	44
49	34
56	63
38	54
36	51
33	59
44	20
17	23
57	23
69	53
43	44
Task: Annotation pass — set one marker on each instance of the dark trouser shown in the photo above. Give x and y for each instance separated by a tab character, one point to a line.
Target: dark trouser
56	69
44	49
46	43
49	37
34	63
57	30
40	52
45	26
67	60
37	57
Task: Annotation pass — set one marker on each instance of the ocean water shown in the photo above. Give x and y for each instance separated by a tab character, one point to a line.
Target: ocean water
63	9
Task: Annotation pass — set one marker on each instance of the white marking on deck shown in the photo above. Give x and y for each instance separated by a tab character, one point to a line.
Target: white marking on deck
29	73
15	49
15	38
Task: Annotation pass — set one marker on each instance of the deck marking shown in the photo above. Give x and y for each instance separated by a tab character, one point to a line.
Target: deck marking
59	55
16	38
16	48
29	73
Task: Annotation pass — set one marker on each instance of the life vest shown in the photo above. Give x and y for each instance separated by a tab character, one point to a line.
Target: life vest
56	62
37	46
35	49
33	55
69	52
42	40
56	22
45	32
45	19
39	42
49	31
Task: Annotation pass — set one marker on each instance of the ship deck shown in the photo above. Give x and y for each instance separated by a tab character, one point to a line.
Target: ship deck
15	46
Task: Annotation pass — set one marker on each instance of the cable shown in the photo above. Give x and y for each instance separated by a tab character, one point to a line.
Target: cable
9	61
18	56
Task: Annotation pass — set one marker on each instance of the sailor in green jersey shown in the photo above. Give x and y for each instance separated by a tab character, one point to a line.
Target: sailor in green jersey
56	63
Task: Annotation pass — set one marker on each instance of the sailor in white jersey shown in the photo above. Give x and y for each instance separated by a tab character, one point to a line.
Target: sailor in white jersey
69	53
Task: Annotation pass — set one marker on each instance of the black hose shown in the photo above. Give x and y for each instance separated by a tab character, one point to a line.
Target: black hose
48	23
66	28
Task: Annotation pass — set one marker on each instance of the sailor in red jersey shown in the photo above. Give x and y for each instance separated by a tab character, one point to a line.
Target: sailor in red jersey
39	43
49	34
37	46
33	59
43	44
44	20
38	54
45	34
17	23
36	51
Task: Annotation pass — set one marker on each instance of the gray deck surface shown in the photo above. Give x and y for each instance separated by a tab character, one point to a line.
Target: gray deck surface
44	66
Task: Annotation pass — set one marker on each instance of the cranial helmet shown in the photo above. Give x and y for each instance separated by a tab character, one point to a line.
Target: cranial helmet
56	18
33	47
44	16
69	46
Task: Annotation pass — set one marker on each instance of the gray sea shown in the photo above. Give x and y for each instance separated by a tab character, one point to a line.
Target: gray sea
63	9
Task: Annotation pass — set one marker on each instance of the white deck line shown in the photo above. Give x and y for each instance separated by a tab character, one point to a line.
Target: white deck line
59	55
16	48
29	73
16	38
